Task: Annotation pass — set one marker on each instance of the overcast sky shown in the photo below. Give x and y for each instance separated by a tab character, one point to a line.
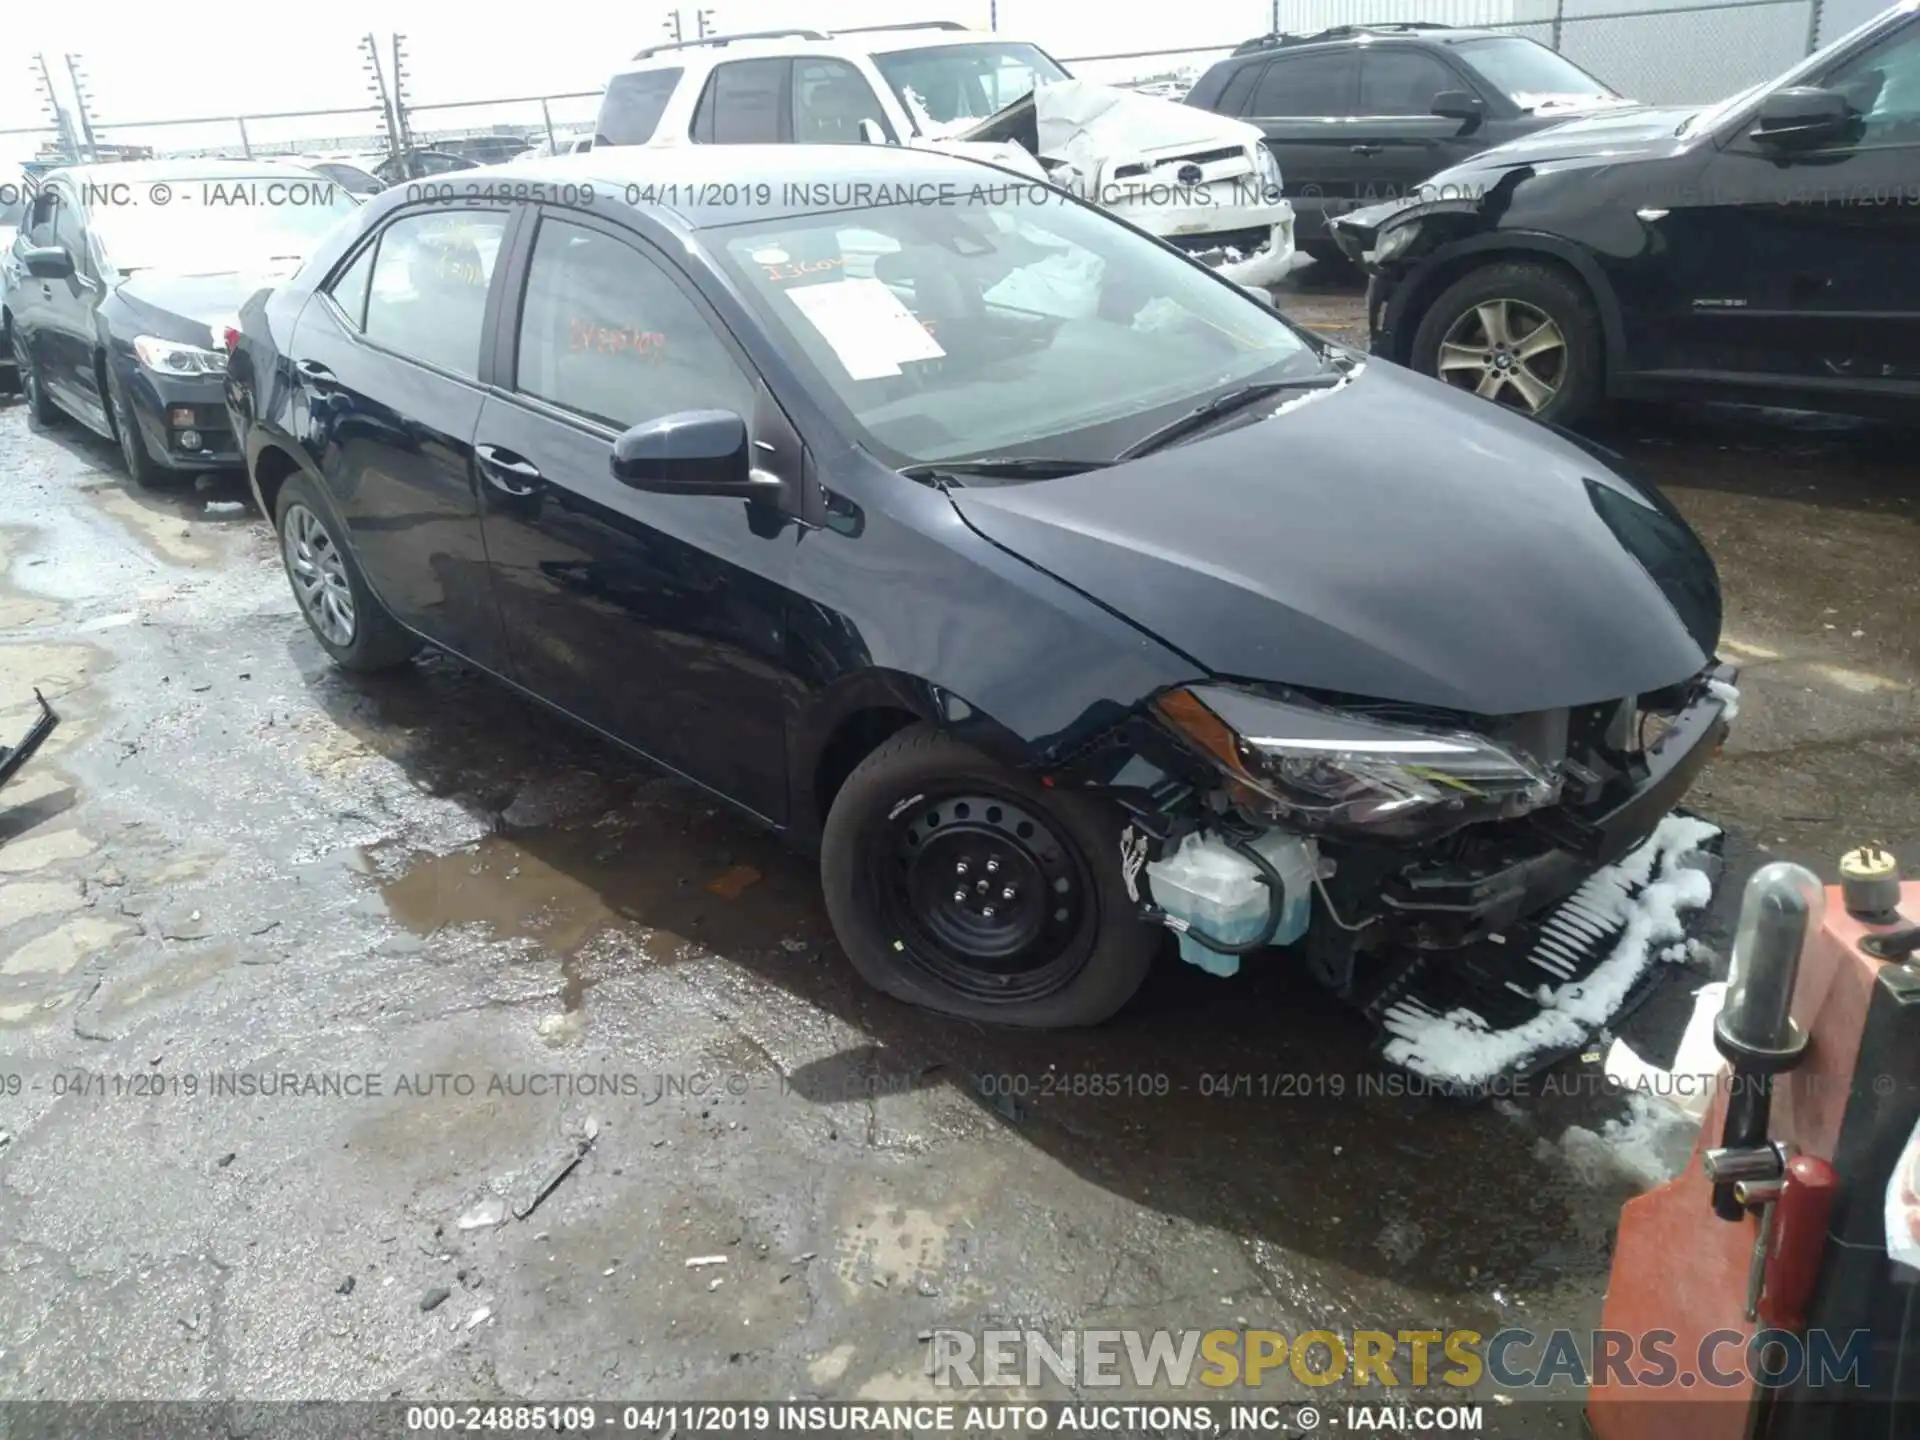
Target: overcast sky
149	61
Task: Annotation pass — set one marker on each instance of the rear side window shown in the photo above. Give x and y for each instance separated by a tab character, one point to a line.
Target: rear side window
428	295
606	333
349	292
1237	91
744	104
1402	82
1306	85
830	99
630	111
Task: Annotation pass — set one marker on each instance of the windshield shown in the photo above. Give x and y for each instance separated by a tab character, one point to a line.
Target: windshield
949	86
216	224
1532	76
978	325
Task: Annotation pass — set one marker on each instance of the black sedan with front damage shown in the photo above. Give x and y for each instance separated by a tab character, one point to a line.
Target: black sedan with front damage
123	282
1059	591
1760	250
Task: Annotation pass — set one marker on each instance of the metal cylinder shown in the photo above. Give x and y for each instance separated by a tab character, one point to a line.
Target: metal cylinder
1783	903
1870	884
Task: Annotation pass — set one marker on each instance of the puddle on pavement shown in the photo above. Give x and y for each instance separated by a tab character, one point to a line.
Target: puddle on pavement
565	889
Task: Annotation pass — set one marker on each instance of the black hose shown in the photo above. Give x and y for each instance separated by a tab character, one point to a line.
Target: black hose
1268	877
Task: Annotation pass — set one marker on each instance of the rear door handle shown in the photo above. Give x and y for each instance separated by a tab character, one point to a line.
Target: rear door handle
315	374
507	472
1368	149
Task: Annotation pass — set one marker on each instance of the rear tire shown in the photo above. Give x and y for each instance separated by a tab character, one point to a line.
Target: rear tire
923	840
340	609
1484	322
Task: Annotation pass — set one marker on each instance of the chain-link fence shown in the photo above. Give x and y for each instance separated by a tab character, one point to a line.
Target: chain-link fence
1657	51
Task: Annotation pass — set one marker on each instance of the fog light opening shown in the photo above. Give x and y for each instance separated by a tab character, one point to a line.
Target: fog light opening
191	440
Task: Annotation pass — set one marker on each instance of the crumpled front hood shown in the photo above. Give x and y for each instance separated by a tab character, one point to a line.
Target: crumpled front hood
1080	123
1611	136
188	308
1389	539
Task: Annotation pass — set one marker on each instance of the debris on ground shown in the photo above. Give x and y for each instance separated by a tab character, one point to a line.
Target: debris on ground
734	881
697	1261
1647	1146
485	1215
225	507
434	1298
479	1316
560	1171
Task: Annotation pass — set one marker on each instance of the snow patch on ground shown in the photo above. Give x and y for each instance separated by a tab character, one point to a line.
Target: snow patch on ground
1646	894
1647	1146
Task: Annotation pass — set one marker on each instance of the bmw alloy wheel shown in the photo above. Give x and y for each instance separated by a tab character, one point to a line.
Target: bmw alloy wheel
319	575
1507	351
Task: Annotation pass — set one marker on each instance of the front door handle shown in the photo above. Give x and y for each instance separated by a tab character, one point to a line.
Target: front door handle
315	374
1368	149
507	472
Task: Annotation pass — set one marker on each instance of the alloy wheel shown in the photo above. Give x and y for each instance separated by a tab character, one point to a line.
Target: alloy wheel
985	895
319	575
1507	351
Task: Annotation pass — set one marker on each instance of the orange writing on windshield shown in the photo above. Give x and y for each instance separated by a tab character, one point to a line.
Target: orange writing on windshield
615	339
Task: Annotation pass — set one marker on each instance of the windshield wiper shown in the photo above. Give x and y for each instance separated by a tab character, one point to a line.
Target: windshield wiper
1201	416
1011	467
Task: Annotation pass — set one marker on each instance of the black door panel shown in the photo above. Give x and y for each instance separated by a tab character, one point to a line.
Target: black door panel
659	619
392	436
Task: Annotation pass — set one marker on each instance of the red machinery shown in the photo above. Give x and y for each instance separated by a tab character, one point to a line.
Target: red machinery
1770	1253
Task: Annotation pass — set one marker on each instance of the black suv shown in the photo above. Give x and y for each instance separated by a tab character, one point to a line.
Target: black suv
1363	113
1760	250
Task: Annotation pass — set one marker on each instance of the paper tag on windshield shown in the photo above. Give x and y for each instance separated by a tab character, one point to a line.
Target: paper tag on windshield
1903	1206
869	329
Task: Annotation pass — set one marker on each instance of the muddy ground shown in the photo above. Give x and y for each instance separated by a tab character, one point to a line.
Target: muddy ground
495	934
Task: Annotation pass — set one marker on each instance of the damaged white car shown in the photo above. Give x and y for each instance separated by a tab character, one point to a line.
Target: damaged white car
1203	182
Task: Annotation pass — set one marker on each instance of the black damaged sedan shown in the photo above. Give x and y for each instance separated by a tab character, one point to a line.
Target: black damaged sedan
124	281
1061	593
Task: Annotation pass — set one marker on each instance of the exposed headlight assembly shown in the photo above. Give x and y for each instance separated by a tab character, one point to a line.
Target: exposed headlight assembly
170	357
1326	770
1267	167
1392	242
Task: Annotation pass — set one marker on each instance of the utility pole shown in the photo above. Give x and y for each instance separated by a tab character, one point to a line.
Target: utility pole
400	94
62	127
993	15
1276	17
80	107
704	18
672	26
377	82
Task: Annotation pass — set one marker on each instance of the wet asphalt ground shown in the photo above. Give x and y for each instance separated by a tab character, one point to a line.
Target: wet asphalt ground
487	935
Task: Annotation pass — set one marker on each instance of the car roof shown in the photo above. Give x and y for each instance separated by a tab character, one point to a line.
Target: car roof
864	42
712	185
1374	35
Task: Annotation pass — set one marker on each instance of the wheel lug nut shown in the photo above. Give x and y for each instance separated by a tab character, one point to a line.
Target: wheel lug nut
960	868
987	913
981	888
1007	893
959	897
993	867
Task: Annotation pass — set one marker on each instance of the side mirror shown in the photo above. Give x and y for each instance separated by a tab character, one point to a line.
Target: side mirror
871	133
48	262
693	452
1469	109
1801	115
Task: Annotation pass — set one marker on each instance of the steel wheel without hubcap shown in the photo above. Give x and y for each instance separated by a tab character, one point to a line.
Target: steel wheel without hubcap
1507	351
319	575
988	898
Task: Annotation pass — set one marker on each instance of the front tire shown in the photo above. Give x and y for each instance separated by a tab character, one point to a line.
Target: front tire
1521	334
145	471
41	414
344	615
957	884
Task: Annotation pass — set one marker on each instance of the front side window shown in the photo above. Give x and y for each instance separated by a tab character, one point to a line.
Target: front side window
743	103
1402	82
946	87
219	224
830	99
428	293
630	111
606	333
1306	85
955	330
349	291
1238	91
1883	87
